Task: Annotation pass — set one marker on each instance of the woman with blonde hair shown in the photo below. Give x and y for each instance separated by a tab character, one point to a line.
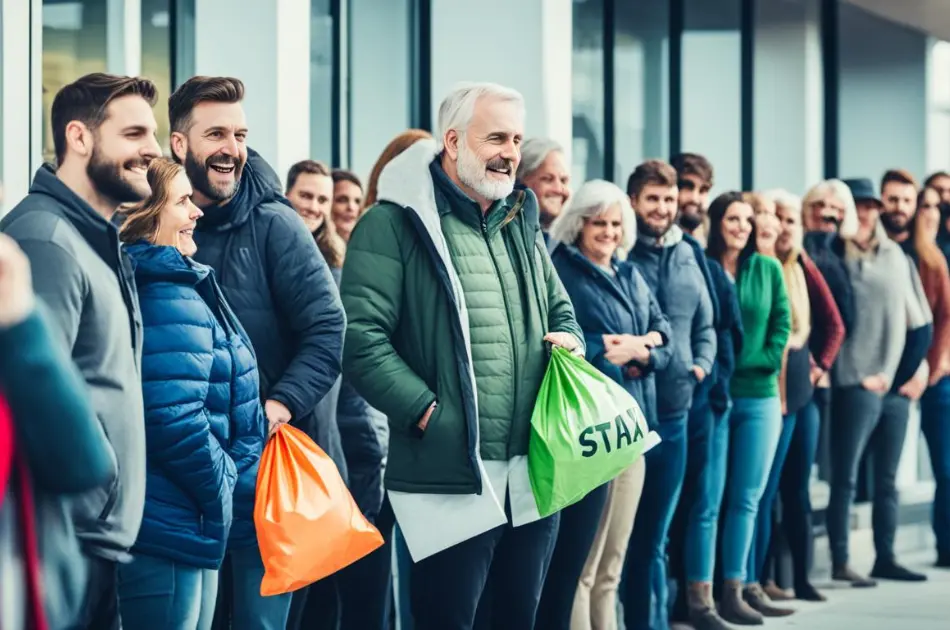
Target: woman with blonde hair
205	428
626	335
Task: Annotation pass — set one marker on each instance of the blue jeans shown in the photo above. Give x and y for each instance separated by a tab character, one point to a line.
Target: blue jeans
794	489
158	593
243	607
762	536
703	522
754	429
935	422
645	591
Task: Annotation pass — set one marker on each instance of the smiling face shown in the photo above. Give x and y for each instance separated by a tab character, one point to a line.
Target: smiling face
656	208
737	226
693	201
767	228
214	150
790	231
551	183
123	145
176	224
347	203
487	153
311	196
601	235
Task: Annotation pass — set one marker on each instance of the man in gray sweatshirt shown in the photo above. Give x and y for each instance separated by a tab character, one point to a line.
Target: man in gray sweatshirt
872	377
104	133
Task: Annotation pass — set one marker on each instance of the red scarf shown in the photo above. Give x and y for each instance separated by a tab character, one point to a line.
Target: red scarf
10	461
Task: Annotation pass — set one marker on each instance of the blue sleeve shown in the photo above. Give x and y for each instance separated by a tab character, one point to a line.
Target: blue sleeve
707	277
660	356
594	353
66	447
177	365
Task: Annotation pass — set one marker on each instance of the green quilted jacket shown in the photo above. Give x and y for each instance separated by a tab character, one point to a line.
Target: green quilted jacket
446	304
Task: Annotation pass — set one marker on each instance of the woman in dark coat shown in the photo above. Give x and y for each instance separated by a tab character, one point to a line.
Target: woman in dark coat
626	336
205	429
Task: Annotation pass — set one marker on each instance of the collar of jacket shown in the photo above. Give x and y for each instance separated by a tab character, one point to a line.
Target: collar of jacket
159	263
101	235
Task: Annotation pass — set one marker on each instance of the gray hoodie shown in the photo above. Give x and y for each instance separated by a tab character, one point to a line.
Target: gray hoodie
83	276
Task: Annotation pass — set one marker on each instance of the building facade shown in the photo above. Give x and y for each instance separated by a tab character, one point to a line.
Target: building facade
777	93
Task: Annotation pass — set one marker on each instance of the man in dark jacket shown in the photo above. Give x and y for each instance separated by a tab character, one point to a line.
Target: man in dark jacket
278	285
453	305
674	268
104	133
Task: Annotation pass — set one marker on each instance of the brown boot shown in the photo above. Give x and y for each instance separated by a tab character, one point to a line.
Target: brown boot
702	608
755	597
777	594
733	608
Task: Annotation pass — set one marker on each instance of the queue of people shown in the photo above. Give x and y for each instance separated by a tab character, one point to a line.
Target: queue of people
183	307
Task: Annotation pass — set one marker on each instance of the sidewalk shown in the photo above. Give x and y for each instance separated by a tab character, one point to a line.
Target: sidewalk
890	606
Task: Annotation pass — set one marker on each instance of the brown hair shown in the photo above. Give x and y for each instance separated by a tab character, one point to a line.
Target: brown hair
398	144
759	202
198	90
927	250
651	172
310	167
343	175
934	177
899	176
86	100
693	164
143	218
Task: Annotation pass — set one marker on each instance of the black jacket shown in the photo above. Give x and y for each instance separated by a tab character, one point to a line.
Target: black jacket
281	290
827	251
728	336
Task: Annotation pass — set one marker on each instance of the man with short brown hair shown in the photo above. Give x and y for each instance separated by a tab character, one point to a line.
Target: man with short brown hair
104	134
671	265
280	288
695	180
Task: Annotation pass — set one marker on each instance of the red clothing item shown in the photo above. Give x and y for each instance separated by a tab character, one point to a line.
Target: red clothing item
828	329
12	464
936	282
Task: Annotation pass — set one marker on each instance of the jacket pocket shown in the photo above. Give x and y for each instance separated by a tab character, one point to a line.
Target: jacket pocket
110	499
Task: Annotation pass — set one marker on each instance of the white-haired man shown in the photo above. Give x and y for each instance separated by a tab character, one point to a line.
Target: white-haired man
544	170
452	304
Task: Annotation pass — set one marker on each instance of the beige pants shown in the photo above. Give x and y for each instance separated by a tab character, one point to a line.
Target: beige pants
595	603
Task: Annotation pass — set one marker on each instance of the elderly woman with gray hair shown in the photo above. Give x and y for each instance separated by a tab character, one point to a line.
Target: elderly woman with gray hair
626	335
544	170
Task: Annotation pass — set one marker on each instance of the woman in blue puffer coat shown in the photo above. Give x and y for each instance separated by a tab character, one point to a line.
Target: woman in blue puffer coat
204	425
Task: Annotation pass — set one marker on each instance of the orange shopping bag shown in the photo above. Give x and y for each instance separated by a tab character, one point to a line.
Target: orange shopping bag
308	525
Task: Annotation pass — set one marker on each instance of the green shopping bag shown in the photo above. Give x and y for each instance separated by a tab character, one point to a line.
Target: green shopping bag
585	430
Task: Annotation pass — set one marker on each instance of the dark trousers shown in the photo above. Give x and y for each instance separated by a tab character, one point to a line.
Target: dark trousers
445	589
579	523
100	610
863	419
935	422
358	597
644	590
699	428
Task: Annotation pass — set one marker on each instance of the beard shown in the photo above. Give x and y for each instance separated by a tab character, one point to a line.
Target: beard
891	222
691	220
650	230
107	177
198	174
474	174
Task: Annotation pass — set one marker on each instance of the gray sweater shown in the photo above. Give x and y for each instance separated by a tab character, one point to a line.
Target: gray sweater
888	299
86	280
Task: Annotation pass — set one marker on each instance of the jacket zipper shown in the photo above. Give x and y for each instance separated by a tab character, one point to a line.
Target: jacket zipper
511	328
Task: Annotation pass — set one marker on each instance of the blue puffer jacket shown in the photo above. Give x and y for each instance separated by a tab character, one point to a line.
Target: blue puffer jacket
622	304
205	429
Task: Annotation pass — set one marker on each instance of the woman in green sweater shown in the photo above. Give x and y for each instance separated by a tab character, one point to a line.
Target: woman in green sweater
756	419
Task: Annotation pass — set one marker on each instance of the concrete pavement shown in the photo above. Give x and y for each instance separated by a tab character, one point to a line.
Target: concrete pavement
890	606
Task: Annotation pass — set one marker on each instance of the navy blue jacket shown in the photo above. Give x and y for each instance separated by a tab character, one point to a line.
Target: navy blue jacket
826	250
281	290
728	335
205	429
619	305
675	275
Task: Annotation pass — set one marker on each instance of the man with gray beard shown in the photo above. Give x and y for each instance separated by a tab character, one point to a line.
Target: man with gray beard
453	305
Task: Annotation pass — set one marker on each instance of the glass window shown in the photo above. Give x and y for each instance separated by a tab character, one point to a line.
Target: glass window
156	58
587	76
641	84
74	44
380	77
321	80
711	86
